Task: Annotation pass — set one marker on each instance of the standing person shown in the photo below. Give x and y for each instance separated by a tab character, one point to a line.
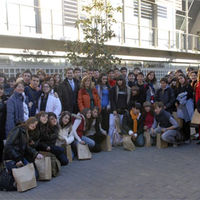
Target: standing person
3	83
77	74
131	79
42	75
111	80
119	99
184	104
96	76
11	82
103	90
88	96
17	151
68	92
3	100
136	71
49	137
166	95
26	75
153	86
197	96
17	108
57	79
135	96
143	87
193	79
33	92
48	102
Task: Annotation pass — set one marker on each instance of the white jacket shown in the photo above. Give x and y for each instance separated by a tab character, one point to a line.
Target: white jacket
65	136
53	105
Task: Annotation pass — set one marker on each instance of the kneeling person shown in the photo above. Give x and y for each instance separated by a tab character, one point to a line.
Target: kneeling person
132	124
164	124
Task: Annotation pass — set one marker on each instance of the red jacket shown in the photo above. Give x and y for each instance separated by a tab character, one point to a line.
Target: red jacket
84	99
197	92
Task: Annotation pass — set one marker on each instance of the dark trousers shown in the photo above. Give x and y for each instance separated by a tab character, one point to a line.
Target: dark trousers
1	150
98	138
186	130
59	152
105	119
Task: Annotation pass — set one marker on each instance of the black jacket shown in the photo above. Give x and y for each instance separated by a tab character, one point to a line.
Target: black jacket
167	97
127	124
3	118
67	96
49	137
17	147
119	104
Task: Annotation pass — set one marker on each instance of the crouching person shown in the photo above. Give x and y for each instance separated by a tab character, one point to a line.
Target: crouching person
17	151
164	124
48	140
132	124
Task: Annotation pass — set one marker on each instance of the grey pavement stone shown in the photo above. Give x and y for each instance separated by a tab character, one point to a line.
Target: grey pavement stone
147	173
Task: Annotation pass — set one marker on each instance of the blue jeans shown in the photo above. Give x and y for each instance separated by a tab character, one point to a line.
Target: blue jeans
87	140
59	152
12	164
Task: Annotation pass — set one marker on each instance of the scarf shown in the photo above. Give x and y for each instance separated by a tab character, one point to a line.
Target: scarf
134	118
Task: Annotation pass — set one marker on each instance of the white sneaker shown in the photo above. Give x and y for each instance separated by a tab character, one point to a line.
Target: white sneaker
187	141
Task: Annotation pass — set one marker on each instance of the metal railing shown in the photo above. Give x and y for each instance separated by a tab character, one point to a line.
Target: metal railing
132	35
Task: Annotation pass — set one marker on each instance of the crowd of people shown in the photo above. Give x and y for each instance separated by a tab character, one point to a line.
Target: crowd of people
39	112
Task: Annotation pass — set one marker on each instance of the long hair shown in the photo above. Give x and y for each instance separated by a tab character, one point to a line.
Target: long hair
178	83
63	114
88	121
198	76
85	78
151	81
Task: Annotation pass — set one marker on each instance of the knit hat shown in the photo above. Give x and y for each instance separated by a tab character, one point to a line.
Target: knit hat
146	104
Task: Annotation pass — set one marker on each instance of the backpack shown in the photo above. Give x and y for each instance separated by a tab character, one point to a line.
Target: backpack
7	181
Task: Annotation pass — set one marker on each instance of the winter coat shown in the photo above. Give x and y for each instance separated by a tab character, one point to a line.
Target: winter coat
67	96
33	96
49	137
142	92
114	101
184	96
3	118
15	111
17	147
65	136
127	124
197	92
53	105
167	97
84	99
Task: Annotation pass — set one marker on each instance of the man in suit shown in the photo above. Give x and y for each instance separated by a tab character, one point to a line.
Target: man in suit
68	92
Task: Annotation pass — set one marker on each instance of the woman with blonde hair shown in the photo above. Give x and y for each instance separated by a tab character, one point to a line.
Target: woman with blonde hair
88	96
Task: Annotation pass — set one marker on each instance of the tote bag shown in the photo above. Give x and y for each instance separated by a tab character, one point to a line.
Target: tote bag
44	168
25	177
83	152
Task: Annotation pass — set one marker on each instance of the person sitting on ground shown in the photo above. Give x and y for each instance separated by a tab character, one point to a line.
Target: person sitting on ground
17	151
95	132
81	125
148	116
49	137
165	124
66	135
133	123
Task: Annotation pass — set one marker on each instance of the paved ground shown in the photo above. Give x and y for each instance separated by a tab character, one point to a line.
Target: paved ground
147	173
